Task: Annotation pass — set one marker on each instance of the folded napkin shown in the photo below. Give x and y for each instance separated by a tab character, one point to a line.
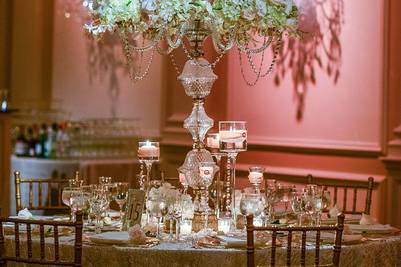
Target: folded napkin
367	220
372	229
334	211
136	235
25	214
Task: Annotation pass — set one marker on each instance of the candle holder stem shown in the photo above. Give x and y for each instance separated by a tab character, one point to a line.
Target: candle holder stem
148	165
232	158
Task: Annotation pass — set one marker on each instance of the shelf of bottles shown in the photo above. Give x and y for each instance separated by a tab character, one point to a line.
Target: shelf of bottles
67	139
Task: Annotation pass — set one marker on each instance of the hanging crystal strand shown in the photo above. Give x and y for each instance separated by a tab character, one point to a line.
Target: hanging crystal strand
227	186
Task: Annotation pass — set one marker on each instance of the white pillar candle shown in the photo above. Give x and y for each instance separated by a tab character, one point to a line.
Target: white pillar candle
223	225
148	150
213	141
233	135
186	227
255	177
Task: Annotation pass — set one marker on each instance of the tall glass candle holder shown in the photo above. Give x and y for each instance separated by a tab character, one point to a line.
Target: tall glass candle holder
148	153
213	144
207	170
233	139
256	177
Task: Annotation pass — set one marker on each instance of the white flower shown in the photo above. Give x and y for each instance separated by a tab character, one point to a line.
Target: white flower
261	7
149	5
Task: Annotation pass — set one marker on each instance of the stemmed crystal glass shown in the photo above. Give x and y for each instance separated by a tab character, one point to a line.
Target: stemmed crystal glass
251	203
297	206
157	207
120	196
148	153
256	177
67	198
233	139
207	170
99	204
104	180
79	201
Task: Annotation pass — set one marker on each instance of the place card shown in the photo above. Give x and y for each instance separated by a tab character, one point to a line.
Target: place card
134	208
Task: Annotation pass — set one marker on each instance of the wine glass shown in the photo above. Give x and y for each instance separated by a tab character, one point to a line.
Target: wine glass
66	198
120	196
79	201
148	153
251	203
233	139
297	208
104	180
98	205
157	207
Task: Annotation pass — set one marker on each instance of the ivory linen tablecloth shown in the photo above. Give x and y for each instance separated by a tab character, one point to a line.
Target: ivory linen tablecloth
381	253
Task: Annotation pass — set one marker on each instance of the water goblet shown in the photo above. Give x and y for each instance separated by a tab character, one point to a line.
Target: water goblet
296	205
104	180
233	139
66	198
79	201
157	207
98	204
251	203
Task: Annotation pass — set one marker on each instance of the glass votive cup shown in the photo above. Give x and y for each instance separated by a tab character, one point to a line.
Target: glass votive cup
186	227
224	224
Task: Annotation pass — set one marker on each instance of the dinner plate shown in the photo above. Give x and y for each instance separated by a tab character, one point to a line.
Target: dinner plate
372	229
112	238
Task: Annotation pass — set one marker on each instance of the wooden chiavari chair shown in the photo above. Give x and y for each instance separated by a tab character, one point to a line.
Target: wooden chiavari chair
49	204
30	259
338	228
345	187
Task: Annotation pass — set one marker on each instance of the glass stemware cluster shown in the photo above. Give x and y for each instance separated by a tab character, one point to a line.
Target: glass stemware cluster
311	202
94	200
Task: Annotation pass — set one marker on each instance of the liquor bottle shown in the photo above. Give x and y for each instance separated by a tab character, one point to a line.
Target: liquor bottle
21	146
30	139
41	144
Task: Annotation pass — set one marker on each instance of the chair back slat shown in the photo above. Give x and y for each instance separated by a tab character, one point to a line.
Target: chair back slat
250	248
56	243
273	254
289	247
49	193
345	198
40	195
41	183
30	195
354	200
31	259
29	239
317	248
42	241
2	245
303	248
368	203
335	195
338	228
16	237
337	244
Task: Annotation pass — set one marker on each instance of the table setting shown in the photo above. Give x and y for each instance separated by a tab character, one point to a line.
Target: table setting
165	227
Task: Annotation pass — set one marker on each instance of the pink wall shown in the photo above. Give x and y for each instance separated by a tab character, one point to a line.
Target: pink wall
111	92
346	115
